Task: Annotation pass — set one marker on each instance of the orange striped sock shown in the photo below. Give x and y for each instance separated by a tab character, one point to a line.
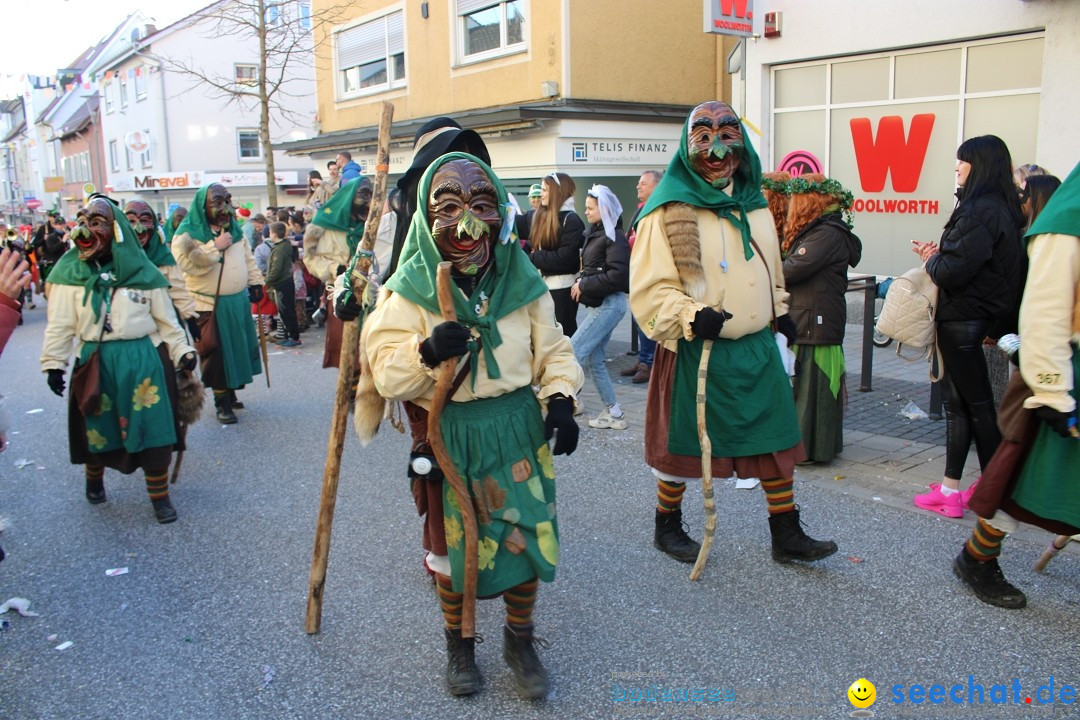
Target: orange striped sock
985	541
669	496
449	601
95	474
779	494
157	483
520	601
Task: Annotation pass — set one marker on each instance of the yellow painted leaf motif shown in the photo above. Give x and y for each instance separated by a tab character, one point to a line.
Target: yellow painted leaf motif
548	543
454	533
106	404
96	439
451	499
486	553
146	395
536	488
547	464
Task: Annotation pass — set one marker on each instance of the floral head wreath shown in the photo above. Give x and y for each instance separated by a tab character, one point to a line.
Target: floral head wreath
829	186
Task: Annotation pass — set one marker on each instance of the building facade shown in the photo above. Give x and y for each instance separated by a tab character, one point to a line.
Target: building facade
883	109
597	89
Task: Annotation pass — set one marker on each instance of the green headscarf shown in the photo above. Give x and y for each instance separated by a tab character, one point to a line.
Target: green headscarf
156	249
1062	211
168	229
197	226
336	214
509	282
128	268
681	184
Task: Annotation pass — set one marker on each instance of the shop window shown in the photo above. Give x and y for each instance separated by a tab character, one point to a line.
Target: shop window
371	56
860	81
249	145
1005	66
799	87
489	29
804	131
927	74
983	116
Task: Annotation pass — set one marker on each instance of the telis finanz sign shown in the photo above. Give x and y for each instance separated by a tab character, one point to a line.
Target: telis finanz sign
729	17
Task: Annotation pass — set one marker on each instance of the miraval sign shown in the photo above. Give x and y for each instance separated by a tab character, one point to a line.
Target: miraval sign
160	181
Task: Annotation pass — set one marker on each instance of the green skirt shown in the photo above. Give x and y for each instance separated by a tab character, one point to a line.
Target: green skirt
238	342
135	411
1047	485
498	447
750	407
820	395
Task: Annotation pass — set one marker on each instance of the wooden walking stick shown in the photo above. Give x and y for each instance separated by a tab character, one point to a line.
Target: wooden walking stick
706	464
262	344
443	387
350	339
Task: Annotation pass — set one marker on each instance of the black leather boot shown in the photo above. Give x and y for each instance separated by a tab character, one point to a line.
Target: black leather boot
225	415
519	652
789	542
988	582
95	491
233	402
671	537
164	510
462	675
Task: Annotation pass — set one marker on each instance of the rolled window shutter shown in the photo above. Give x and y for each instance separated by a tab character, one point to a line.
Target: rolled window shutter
362	44
465	7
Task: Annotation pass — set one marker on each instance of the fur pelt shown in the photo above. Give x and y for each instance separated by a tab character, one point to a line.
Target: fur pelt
370	406
189	397
680	224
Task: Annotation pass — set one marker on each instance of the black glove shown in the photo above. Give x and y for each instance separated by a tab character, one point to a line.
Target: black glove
448	340
56	382
786	326
187	362
193	328
340	270
560	418
1057	420
346	308
708	323
255	293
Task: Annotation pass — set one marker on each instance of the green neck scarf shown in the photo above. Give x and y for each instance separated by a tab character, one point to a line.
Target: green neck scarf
1062	211
509	282
336	213
197	226
129	267
681	184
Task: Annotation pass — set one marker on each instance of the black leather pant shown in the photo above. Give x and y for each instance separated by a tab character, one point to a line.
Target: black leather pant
969	399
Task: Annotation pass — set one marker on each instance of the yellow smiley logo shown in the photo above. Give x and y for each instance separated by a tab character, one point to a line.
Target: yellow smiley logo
862	693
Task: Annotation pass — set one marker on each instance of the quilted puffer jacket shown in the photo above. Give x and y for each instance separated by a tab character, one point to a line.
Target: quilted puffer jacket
981	265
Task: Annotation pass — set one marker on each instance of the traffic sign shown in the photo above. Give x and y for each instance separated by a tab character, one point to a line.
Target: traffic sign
15	186
33	203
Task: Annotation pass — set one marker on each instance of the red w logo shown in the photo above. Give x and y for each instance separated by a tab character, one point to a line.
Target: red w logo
890	152
739	6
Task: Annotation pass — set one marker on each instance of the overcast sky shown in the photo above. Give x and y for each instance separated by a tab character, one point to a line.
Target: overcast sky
40	36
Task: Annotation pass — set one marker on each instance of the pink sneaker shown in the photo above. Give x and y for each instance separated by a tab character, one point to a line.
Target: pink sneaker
948	505
965	495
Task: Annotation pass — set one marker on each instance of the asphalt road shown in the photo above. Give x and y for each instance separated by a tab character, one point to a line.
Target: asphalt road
209	620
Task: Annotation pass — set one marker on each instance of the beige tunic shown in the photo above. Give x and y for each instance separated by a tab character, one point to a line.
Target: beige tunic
324	250
747	290
534	352
1050	319
201	264
181	298
134	314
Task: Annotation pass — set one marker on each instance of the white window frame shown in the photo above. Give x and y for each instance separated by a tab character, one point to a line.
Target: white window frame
129	157
393	44
114	156
241	158
123	90
110	103
140	87
146	156
249	81
305	15
464	8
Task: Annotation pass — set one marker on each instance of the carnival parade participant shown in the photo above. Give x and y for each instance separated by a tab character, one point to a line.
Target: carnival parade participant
144	223
1032	476
494	428
706	266
108	295
818	248
172	222
221	275
330	240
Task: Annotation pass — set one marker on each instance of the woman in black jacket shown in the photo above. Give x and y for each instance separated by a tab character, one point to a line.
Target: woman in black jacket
818	247
979	267
556	235
603	286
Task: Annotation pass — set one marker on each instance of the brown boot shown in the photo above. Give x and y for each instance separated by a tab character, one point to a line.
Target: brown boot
632	370
642	374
